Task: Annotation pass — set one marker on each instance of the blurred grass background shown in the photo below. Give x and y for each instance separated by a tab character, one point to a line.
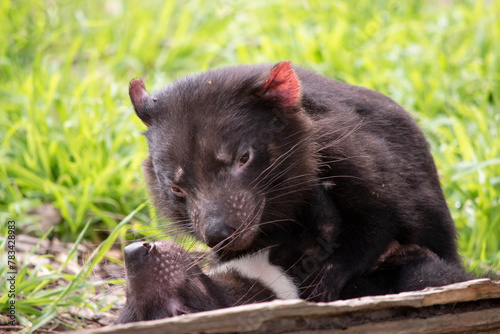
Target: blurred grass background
68	135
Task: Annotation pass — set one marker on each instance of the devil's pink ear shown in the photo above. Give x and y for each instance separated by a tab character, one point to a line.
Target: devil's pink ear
141	100
282	86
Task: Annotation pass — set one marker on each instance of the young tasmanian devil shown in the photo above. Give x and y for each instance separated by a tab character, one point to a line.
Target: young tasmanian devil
163	281
322	174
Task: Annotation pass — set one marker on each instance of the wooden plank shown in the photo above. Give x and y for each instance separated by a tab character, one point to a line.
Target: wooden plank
382	313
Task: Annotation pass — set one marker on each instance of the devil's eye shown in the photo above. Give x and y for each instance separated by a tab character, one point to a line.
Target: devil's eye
177	191
244	159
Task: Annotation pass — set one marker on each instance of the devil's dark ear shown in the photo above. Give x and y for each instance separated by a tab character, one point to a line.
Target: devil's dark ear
143	102
282	86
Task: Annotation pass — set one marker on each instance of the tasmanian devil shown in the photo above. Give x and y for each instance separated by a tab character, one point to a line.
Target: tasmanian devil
163	281
320	174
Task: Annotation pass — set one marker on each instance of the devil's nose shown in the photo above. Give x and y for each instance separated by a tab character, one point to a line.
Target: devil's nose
136	253
216	232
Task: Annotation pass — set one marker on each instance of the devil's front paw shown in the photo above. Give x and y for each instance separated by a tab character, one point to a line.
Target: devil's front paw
323	292
328	287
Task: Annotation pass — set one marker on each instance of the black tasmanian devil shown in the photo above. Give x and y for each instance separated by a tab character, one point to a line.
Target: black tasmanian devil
319	175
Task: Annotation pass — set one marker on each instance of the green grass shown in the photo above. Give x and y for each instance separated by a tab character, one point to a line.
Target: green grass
68	135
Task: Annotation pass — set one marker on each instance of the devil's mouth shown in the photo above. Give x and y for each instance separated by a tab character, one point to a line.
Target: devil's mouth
243	237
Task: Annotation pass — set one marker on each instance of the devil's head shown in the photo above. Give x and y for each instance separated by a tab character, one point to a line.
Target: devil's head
230	153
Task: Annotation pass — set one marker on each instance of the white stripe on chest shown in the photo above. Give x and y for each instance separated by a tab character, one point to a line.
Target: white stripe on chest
256	266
